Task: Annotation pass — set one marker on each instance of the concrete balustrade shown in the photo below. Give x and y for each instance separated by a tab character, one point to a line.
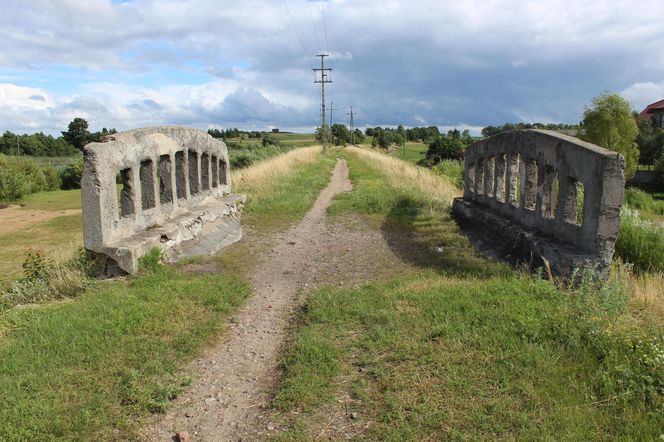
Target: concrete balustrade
545	197
166	187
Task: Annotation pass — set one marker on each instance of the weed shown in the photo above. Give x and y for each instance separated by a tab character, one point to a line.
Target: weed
640	242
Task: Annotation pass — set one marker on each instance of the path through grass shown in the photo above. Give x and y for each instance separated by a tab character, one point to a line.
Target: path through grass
93	368
467	349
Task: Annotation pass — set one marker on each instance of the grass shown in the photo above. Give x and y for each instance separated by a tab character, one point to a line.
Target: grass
54	200
275	202
640	242
58	163
297	140
467	349
413	152
94	367
57	238
437	358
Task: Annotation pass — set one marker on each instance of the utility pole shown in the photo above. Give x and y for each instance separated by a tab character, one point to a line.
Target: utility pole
332	109
352	126
324	78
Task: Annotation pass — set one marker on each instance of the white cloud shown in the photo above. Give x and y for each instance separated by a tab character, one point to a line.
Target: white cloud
442	62
642	94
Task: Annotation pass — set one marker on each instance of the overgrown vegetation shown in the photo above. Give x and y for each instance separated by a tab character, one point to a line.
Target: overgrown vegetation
640	242
95	367
21	176
433	357
441	355
274	201
246	155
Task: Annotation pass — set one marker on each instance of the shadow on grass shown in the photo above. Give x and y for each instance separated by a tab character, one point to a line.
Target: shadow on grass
431	239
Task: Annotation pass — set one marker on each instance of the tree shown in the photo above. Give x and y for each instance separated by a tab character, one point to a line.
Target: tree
446	148
650	141
341	134
77	133
609	123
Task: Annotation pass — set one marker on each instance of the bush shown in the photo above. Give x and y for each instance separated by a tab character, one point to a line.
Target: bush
452	169
71	175
640	200
659	170
21	176
640	242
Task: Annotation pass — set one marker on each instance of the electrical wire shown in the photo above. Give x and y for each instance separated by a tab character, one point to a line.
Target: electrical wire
313	24
327	46
304	50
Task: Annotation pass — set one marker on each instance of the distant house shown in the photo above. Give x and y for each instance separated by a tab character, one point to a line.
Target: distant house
276	130
655	112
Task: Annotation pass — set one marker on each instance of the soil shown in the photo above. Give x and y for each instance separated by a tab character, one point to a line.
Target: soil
234	381
14	218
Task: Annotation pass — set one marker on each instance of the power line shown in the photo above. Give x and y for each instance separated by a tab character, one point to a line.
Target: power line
324	78
313	24
332	109
327	46
352	125
304	50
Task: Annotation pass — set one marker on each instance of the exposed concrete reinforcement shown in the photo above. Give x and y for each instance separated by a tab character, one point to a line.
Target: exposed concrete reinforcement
166	187
543	198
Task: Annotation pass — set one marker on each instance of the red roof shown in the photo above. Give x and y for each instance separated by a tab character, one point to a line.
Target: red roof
659	105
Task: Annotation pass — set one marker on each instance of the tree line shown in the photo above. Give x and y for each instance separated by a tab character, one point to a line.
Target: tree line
39	144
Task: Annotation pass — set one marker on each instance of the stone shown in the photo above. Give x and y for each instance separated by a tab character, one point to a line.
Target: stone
543	198
182	436
175	195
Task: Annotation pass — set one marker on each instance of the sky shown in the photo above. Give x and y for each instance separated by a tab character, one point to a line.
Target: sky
248	63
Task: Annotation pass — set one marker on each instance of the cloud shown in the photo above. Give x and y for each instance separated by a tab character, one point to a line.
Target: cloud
642	94
473	63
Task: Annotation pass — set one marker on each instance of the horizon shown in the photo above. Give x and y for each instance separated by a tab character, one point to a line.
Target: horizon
128	64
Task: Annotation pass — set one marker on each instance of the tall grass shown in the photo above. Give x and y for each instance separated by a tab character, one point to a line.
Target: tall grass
262	178
643	201
406	176
640	242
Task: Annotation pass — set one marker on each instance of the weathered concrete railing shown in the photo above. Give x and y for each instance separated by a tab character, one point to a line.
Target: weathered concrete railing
544	197
174	193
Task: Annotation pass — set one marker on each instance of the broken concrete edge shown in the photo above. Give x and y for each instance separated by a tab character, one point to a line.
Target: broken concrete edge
175	195
497	237
534	180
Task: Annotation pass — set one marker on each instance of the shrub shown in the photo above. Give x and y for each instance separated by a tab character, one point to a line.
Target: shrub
52	177
71	175
452	169
20	176
659	170
640	242
640	200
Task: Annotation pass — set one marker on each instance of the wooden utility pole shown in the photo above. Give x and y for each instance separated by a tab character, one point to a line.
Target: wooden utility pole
324	78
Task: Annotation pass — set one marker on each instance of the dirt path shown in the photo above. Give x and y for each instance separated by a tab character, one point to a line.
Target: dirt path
236	379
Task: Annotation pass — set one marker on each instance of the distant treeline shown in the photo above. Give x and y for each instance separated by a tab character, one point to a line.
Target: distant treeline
235	133
38	145
490	131
422	134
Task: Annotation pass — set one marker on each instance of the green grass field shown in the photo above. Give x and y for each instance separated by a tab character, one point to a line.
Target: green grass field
297	140
94	367
413	152
56	237
467	349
